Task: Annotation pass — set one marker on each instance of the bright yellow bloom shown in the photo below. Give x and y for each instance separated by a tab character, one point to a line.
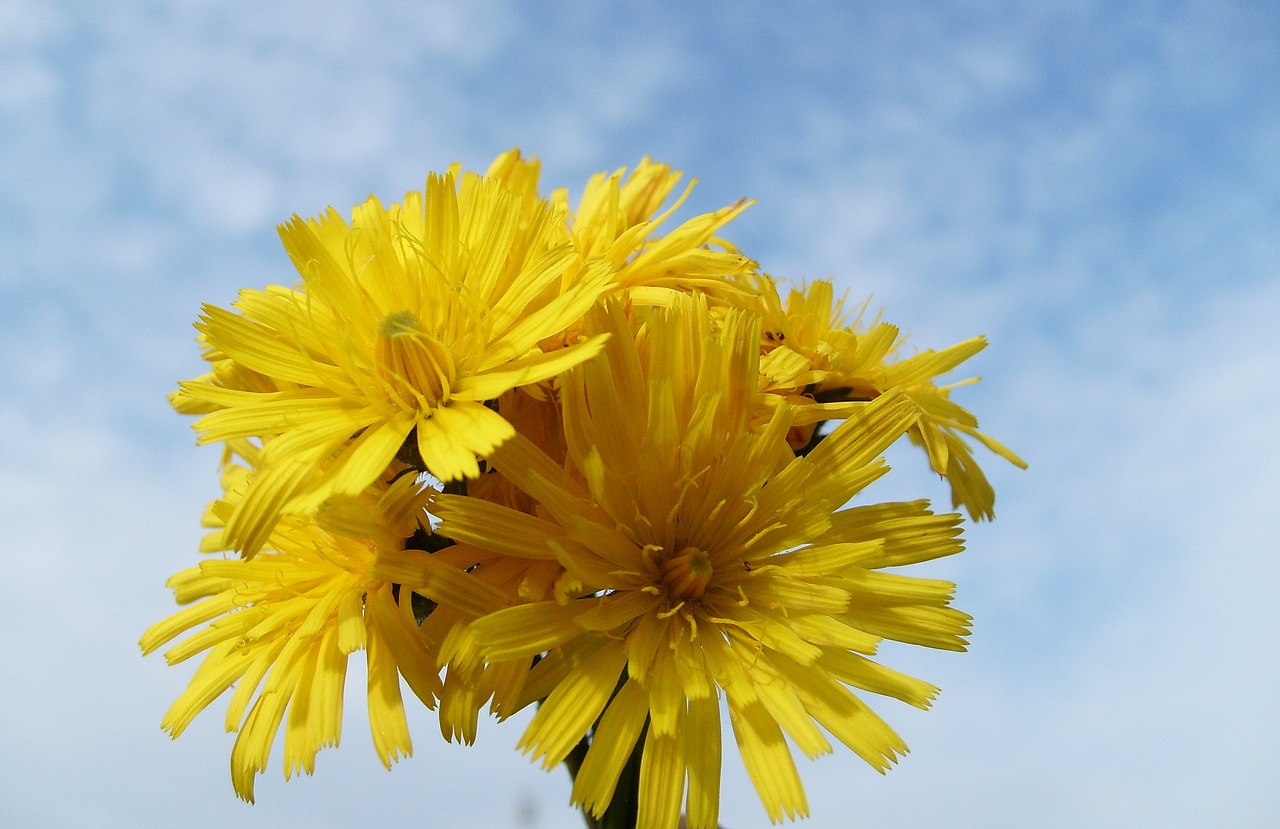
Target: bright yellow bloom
523	569
409	319
828	368
700	558
477	581
282	626
618	218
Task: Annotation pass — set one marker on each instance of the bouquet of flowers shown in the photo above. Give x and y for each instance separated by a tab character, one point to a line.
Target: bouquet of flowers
525	453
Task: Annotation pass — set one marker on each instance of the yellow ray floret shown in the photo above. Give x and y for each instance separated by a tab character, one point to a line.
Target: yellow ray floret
827	367
709	563
409	321
281	627
648	519
619	217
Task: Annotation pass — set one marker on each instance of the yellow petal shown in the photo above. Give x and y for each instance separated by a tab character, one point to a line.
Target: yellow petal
702	754
496	528
386	707
784	706
662	772
849	720
444	457
429	576
860	672
542	365
617	610
611	745
572	708
526	630
404	645
768	762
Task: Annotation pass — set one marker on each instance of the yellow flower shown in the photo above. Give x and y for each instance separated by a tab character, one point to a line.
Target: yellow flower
700	557
815	360
409	319
618	219
282	626
495	578
476	581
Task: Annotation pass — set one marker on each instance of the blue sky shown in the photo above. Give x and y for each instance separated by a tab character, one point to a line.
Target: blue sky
1094	188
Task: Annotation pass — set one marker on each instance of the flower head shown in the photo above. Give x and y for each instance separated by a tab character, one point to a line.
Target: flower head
700	558
618	219
827	367
647	463
281	627
408	321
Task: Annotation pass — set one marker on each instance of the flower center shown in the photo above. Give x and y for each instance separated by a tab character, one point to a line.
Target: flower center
415	367
687	574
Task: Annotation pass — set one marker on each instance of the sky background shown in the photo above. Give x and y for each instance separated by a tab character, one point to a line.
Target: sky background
1094	186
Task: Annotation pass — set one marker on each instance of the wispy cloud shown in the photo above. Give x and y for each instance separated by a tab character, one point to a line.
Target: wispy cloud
1091	187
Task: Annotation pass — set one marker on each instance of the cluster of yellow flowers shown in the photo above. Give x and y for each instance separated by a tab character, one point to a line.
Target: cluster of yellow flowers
521	453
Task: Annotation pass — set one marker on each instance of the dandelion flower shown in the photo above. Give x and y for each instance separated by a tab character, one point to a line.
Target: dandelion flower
408	321
281	627
618	218
816	360
702	560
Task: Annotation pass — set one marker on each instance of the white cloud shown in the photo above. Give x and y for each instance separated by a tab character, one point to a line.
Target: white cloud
1093	192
